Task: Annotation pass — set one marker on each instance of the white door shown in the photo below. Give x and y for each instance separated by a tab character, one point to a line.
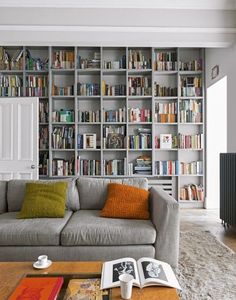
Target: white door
18	138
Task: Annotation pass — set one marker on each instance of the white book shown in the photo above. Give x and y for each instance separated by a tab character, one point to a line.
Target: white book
146	272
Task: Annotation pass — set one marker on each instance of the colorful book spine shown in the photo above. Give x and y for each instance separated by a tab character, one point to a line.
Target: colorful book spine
113	90
166	167
137	115
63	137
165	61
89	116
11	86
63	167
114	167
164	91
190	111
138	60
192	192
88	167
63	59
112	115
37	86
140	86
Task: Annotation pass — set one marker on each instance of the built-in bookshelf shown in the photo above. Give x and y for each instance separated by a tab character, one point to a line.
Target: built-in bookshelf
115	111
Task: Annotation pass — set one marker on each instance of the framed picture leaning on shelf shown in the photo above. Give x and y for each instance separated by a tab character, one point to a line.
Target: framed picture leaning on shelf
89	140
165	141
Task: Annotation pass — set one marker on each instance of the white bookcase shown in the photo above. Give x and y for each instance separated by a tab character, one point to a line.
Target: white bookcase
102	80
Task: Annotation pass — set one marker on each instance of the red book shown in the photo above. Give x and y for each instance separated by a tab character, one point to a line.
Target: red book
37	288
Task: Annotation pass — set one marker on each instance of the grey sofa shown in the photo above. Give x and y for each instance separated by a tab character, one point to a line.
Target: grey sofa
82	234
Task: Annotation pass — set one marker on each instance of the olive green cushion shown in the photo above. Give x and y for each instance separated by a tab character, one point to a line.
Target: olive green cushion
44	201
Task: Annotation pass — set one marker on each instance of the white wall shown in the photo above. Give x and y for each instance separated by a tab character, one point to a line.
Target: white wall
226	59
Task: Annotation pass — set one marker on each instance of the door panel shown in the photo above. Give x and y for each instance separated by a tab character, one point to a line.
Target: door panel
18	138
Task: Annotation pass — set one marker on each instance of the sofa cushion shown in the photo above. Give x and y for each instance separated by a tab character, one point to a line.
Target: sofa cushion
44	200
126	202
3	196
85	227
31	232
16	193
93	191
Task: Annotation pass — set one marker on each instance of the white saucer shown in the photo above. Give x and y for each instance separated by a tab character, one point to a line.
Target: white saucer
36	265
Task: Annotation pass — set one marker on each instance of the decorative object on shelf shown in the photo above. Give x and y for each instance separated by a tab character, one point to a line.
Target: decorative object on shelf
165	141
215	72
89	140
115	141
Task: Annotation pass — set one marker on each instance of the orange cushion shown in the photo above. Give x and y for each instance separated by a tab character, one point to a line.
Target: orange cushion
126	202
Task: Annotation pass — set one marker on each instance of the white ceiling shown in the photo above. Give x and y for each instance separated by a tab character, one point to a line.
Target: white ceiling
195	23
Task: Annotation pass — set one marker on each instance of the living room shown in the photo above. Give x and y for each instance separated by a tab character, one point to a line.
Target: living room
126	109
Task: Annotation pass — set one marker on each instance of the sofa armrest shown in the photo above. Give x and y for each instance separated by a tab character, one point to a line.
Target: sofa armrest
165	216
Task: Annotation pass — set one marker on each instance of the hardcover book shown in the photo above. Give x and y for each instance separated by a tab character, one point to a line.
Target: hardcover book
40	288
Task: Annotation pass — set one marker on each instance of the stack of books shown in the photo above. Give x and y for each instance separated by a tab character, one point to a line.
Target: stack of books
143	165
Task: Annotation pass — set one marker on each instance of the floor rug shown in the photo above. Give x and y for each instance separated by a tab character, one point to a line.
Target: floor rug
207	268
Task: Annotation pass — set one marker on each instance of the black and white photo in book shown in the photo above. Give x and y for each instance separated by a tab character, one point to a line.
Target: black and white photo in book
124	267
153	270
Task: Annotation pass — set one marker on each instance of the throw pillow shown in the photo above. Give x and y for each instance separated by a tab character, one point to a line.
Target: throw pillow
126	202
44	201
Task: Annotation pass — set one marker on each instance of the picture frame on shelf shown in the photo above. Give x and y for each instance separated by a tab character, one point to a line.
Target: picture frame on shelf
89	141
115	141
165	141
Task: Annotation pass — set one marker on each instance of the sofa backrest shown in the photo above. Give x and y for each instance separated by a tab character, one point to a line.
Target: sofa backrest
93	191
16	192
3	196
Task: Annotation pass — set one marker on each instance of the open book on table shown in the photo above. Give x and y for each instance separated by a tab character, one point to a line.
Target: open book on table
146	272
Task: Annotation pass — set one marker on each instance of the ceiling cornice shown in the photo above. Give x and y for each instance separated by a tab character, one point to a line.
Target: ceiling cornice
155	4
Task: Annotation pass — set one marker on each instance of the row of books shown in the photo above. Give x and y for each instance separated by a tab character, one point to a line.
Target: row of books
138	60
63	137
63	59
180	141
166	107
14	62
191	168
191	86
166	167
195	141
88	89
113	90
11	81
165	61
164	91
11	91
36	91
115	64
165	118
63	167
90	167
43	111
35	63
62	90
63	116
37	81
114	167
190	111
89	63
112	115
192	65
140	86
139	115
89	116
43	138
140	141
192	192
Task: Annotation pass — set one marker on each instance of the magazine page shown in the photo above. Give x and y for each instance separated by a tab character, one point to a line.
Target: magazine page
155	272
111	271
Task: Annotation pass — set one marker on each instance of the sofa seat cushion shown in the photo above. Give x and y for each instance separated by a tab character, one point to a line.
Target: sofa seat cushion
31	232
86	227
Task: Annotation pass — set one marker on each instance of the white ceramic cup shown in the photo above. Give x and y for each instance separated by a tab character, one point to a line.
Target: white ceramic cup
42	260
126	284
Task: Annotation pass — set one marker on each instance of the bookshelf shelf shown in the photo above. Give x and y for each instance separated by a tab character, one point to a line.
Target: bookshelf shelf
116	84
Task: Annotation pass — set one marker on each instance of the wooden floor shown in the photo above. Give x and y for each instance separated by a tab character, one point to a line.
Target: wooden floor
204	219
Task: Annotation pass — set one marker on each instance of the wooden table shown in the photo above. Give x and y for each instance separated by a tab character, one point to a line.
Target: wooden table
12	272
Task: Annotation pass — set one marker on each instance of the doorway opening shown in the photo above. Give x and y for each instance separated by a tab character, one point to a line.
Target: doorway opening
216	143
